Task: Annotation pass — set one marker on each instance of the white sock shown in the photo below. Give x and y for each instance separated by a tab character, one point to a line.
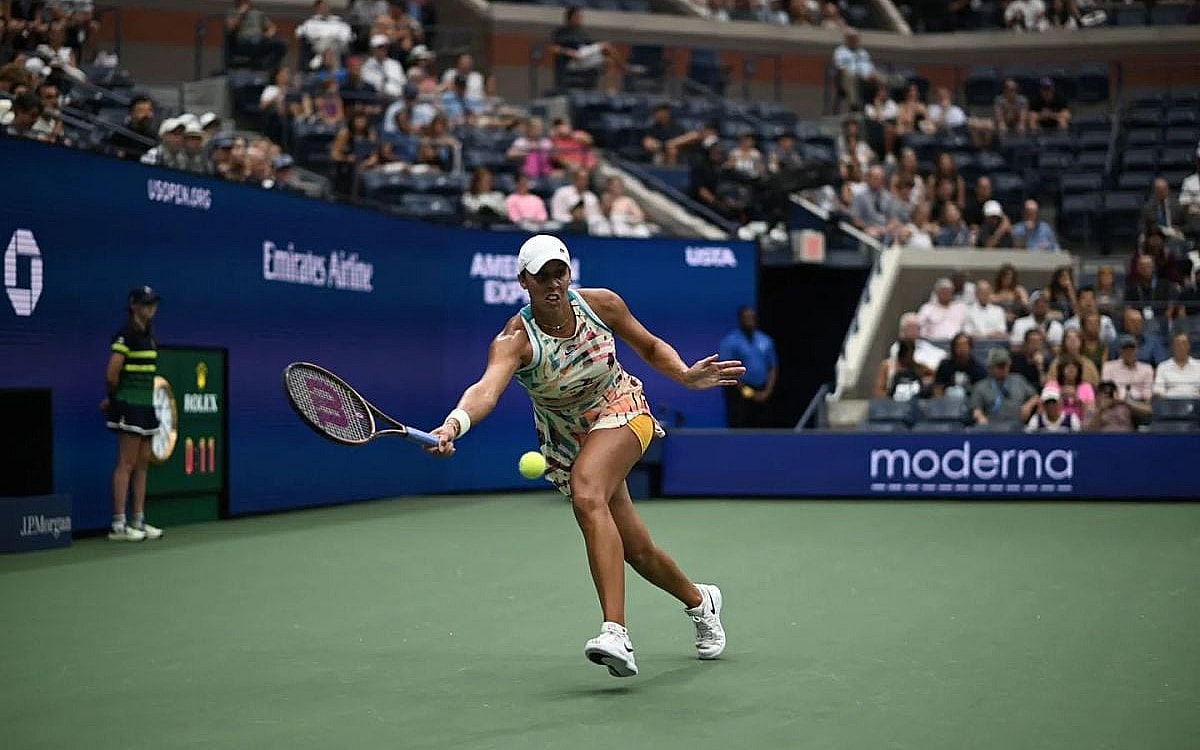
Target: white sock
118	522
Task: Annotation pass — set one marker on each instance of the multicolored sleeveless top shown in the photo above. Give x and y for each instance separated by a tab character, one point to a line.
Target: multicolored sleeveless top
577	385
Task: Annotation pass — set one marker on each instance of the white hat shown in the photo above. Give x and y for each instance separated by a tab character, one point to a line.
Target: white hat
35	66
192	127
208	118
1050	393
168	125
420	51
992	208
539	250
380	40
187	118
6	114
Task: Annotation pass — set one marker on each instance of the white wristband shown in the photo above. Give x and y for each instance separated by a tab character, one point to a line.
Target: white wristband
463	419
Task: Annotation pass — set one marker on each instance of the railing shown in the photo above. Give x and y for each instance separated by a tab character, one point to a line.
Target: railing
817	410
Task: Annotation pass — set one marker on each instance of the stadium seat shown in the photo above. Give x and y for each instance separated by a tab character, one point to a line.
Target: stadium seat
1140	158
1175	410
1026	77
1175	177
1073	183
1135	181
437	208
705	69
947	409
1092	160
1122	212
1095	140
1143	116
1187	117
648	56
1058	141
1182	135
884	411
1091	83
1091	123
1008	188
1177	157
679	178
1143	137
1078	216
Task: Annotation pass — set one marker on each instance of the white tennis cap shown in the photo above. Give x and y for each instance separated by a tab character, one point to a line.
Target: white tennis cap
539	250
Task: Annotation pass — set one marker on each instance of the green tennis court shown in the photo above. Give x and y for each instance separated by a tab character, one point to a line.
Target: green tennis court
460	622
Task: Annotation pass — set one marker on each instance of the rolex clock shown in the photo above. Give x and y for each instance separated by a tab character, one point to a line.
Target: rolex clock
162	445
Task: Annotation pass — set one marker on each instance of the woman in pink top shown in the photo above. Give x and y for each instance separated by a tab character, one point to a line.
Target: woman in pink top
523	206
533	150
1078	396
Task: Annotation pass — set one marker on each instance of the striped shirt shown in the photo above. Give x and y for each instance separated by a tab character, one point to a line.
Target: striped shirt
136	383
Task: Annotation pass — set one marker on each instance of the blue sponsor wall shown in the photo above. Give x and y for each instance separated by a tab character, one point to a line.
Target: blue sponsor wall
712	463
220	256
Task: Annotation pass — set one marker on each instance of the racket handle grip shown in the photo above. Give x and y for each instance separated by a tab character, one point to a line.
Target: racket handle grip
422	437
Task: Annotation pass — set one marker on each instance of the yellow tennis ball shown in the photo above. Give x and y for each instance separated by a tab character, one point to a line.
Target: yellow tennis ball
532	465
747	392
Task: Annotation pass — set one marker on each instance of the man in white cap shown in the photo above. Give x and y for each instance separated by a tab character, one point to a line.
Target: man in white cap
996	229
169	151
194	157
381	71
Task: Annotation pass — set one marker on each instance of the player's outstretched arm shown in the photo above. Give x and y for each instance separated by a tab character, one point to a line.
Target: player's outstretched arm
709	372
507	352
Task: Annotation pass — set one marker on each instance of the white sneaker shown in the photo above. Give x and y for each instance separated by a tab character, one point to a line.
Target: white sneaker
710	634
612	649
126	534
152	532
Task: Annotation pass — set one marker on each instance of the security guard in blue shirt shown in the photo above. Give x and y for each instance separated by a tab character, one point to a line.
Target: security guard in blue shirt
749	405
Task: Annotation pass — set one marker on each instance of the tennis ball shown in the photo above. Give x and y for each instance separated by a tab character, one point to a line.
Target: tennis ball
532	465
747	392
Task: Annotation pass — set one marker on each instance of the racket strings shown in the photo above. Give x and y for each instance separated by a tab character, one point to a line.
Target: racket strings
329	405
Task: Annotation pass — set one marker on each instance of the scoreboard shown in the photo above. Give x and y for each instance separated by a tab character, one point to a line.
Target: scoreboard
187	480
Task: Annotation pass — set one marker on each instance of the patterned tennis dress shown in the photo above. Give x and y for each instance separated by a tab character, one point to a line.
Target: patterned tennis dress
577	385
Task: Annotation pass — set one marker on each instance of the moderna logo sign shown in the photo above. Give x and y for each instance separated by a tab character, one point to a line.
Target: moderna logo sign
962	469
23	299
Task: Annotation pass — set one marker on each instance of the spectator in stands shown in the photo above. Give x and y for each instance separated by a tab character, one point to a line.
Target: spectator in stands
1085	303
324	31
1062	293
996	230
1189	192
577	223
906	184
1108	296
1078	398
881	112
959	372
438	145
945	170
1134	378
1168	267
525	209
664	137
1146	289
1050	110
195	159
26	110
575	51
1039	317
1151	349
1009	294
281	103
954	232
1162	210
1026	15
1072	348
1003	396
943	196
254	36
354	150
901	377
1050	415
854	69
911	114
942	317
572	148
533	150
327	105
258	168
927	354
1179	376
945	117
383	73
140	123
973	211
1113	413
1033	360
1011	110
464	67
1032	233
356	91
457	106
483	205
749	405
576	191
706	180
361	16
1063	15
917	234
851	148
874	210
420	71
745	161
985	319
169	151
625	216
1095	349
284	167
49	128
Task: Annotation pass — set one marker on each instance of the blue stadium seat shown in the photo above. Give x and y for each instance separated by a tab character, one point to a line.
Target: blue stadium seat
1059	141
890	411
1079	215
1135	181
437	208
705	68
1121	213
1092	160
945	409
1074	183
1143	116
385	187
1182	135
1095	140
1186	117
1008	188
1175	410
1175	177
679	178
1091	122
1143	137
1177	157
311	143
1091	83
1140	159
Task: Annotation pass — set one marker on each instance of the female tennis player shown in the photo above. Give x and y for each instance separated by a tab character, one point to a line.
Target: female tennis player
593	423
130	410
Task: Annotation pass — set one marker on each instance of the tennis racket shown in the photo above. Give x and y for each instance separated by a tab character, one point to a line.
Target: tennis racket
336	411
